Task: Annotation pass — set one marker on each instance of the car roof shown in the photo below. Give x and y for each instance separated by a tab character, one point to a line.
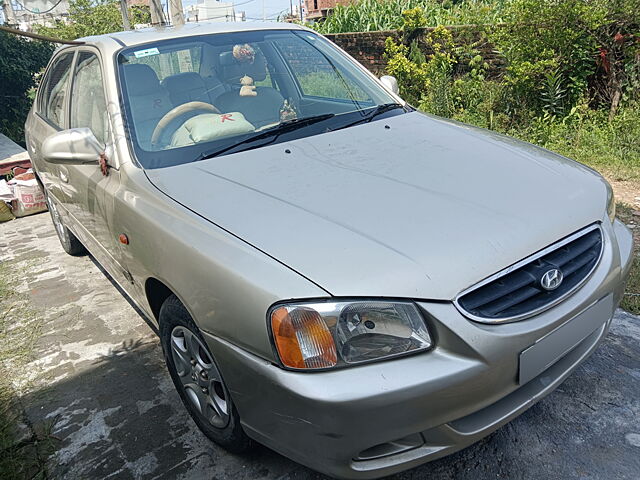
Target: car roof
152	34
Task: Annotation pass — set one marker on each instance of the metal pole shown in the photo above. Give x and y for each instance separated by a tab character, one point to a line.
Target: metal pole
125	15
300	7
175	11
291	10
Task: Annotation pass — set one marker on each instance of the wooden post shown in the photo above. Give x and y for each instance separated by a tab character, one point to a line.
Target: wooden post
176	13
157	15
124	9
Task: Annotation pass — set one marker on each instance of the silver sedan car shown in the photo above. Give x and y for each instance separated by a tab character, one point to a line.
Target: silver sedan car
355	284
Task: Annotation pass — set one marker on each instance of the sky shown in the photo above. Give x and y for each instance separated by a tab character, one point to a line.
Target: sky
254	7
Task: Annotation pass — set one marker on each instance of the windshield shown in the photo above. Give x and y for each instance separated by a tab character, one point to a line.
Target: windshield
191	98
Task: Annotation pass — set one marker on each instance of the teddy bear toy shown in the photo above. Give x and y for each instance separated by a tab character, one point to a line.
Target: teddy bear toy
248	89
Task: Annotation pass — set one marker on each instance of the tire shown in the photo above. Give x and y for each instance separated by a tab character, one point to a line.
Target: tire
188	356
68	240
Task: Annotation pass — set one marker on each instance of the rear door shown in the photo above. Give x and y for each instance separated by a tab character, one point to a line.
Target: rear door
50	115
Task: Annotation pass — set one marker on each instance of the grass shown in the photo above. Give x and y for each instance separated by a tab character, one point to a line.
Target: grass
24	448
371	15
612	148
631	299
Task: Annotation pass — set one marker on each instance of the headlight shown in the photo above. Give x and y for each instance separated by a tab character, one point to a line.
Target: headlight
320	335
611	203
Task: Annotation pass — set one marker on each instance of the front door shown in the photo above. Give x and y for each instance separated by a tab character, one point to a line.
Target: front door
90	199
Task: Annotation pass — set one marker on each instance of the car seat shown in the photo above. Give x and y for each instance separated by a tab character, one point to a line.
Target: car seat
149	101
264	108
191	87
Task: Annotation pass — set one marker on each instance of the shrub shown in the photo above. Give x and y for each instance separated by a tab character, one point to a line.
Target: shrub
555	49
439	67
413	78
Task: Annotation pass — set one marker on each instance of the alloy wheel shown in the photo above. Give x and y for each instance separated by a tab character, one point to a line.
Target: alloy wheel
200	377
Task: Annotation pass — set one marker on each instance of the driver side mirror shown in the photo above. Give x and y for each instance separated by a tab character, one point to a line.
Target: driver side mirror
391	83
76	146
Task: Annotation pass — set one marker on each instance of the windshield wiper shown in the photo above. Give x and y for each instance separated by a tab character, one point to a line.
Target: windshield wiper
379	110
275	131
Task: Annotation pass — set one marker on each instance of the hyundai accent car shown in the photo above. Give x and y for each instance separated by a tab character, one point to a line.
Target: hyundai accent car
355	284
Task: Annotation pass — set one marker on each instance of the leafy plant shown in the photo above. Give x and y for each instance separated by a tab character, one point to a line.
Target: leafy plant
413	78
439	67
553	93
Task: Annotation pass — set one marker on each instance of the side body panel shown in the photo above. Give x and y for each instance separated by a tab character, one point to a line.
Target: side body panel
225	283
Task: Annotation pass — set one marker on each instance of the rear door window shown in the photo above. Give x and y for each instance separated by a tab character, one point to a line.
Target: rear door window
56	88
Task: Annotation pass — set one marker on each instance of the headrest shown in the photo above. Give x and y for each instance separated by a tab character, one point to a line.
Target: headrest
232	70
184	81
140	78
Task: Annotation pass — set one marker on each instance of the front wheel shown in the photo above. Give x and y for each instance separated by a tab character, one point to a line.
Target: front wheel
197	378
68	240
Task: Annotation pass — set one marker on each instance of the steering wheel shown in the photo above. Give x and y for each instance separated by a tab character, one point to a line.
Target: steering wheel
176	112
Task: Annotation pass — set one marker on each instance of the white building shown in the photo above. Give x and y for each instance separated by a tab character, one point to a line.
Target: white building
213	11
26	13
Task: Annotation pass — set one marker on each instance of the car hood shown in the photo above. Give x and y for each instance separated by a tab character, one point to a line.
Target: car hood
408	206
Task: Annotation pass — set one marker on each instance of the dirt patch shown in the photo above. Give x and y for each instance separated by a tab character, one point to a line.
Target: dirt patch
627	191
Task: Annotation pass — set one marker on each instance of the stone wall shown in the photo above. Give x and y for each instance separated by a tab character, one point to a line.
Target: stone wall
368	47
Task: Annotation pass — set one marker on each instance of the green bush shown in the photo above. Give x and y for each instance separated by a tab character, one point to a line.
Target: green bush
556	49
20	62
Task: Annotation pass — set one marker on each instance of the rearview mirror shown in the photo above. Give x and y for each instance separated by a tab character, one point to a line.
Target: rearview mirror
391	83
72	147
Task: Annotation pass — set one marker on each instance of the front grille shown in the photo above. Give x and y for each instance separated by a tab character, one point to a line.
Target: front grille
517	292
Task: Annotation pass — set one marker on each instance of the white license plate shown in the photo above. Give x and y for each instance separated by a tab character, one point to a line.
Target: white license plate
553	346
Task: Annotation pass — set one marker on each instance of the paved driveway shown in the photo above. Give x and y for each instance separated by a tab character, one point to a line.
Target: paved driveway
100	375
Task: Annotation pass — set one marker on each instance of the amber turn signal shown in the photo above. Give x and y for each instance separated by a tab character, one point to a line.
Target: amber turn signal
302	338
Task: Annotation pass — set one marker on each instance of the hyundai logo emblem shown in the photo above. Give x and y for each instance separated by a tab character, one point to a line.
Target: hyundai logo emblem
551	279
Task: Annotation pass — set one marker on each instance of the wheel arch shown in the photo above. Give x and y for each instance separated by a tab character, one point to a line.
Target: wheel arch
157	292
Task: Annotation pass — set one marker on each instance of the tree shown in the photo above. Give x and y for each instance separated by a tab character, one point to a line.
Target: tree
20	62
87	17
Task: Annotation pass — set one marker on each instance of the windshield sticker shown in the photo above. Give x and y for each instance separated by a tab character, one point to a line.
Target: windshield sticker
146	53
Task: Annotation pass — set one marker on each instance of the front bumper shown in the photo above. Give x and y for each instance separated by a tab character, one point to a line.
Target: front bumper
381	418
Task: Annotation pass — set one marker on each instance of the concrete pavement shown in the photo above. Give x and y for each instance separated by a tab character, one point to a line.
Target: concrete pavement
99	375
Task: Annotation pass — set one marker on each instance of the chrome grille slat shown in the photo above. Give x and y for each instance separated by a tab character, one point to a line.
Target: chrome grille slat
516	292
